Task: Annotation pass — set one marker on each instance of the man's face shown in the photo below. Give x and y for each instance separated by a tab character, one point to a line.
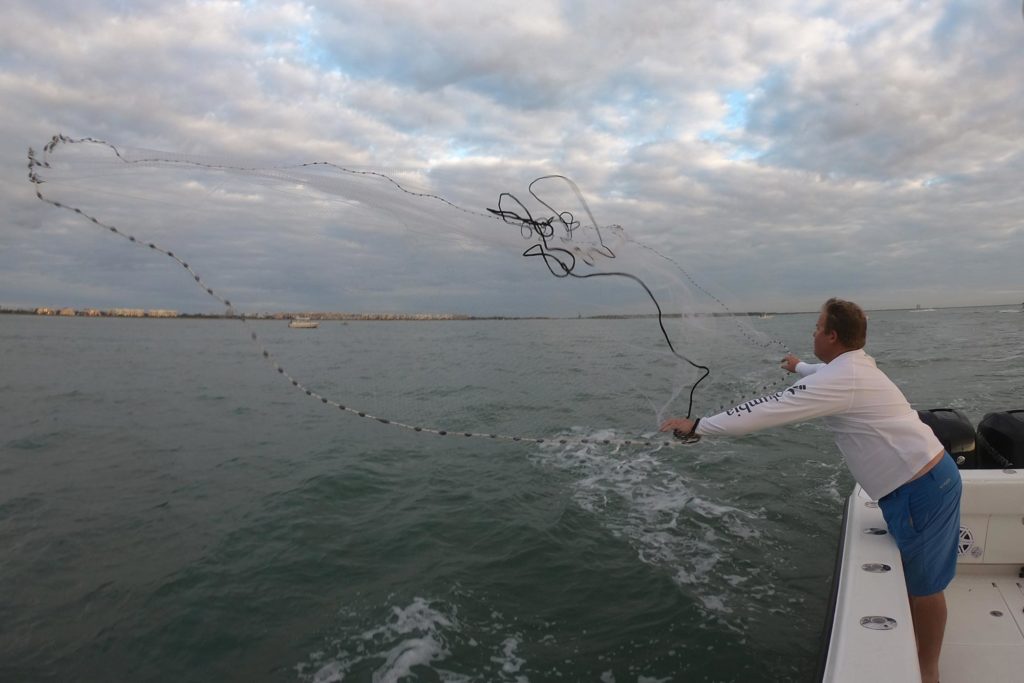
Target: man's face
823	341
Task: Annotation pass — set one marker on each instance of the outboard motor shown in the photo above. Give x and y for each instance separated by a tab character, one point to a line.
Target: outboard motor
1001	439
956	434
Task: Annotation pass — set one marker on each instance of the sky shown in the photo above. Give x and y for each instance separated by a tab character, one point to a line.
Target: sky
781	152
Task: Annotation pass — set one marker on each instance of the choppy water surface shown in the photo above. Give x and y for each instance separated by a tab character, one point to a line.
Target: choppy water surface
170	509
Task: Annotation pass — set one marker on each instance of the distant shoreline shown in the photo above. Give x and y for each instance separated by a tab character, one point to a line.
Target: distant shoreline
348	317
326	316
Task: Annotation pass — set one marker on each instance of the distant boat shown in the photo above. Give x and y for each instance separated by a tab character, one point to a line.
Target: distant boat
303	323
767	316
921	310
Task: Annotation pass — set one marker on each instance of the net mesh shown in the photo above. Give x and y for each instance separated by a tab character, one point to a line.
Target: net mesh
627	335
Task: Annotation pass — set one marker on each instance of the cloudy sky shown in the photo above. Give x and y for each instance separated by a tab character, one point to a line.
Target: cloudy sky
781	151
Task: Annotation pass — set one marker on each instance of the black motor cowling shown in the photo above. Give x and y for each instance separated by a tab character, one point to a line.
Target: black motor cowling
1001	439
956	434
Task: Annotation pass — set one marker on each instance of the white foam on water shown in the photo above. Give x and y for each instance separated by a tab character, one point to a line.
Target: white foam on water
420	634
715	603
418	616
640	498
509	661
427	646
413	635
332	672
735	580
451	677
406	655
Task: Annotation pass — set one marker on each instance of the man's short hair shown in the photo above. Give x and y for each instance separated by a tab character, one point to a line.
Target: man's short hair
848	321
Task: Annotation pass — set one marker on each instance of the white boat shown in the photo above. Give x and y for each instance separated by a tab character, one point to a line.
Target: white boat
303	323
870	635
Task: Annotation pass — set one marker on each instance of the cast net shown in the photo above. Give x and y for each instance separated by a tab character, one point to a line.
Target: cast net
455	300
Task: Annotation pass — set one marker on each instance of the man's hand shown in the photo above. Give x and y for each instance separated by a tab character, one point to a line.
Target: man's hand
678	425
789	362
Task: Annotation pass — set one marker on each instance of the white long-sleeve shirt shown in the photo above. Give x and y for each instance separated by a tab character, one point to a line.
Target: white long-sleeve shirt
881	437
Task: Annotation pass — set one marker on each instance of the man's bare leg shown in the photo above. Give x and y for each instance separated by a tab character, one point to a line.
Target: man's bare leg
929	614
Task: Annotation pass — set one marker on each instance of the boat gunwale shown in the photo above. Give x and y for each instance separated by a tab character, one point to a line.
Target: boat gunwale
833	598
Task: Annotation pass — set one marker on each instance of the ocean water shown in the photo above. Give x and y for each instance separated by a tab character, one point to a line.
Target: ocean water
172	510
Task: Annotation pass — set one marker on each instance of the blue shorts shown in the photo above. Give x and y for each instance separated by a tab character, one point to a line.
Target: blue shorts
923	517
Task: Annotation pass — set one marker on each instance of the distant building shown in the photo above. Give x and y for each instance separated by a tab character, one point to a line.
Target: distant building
127	312
92	313
45	311
66	312
161	313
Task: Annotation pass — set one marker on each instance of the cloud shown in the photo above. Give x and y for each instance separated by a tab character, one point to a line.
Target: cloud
783	151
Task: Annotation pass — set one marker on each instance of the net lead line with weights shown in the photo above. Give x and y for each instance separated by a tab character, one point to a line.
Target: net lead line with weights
529	227
34	163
